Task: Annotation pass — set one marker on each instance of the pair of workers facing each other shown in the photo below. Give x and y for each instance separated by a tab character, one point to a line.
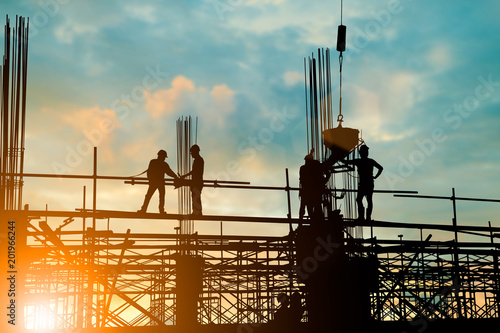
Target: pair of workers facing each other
158	168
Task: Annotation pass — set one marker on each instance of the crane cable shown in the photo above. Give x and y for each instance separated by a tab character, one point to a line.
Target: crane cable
341	47
340	117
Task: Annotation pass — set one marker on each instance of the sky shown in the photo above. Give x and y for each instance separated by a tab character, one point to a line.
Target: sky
421	80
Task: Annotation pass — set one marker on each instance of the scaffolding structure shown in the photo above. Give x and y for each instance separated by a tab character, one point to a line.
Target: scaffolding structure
99	278
129	279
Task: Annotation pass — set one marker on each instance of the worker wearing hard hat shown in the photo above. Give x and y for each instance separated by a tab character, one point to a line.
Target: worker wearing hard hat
365	167
156	171
196	174
312	184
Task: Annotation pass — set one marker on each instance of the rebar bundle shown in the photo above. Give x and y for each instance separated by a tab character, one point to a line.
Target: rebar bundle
184	142
318	100
13	113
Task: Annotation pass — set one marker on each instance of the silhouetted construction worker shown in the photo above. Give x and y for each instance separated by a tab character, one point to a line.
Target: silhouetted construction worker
289	314
196	184
365	167
156	172
312	185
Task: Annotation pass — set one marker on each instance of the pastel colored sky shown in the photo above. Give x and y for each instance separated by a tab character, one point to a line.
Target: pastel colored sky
421	79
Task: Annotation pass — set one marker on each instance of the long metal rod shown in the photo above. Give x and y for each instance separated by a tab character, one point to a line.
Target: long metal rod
443	197
413	225
256	187
44	175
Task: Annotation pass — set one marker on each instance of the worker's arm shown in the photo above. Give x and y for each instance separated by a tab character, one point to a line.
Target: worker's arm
169	172
348	161
379	169
187	174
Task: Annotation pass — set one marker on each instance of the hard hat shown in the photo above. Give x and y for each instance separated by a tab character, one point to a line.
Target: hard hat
310	155
363	148
162	153
194	148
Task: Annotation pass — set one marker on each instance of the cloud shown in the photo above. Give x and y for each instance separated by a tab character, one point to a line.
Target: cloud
167	101
385	105
67	32
263	2
292	78
93	117
93	66
131	151
184	96
401	84
222	98
364	111
142	12
96	125
441	57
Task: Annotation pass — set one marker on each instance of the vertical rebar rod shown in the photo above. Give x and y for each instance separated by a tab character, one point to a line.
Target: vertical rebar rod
311	108
307	110
289	215
5	116
94	188
329	88
320	96
456	282
25	30
315	94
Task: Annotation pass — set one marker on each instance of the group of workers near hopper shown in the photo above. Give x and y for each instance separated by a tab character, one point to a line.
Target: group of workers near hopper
312	182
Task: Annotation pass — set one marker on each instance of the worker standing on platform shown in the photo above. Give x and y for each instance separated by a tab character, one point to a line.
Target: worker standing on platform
365	167
196	179
156	171
312	184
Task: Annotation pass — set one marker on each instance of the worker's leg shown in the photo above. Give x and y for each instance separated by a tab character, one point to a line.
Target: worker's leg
315	209
359	201
161	192
310	210
369	207
147	198
318	211
196	200
302	209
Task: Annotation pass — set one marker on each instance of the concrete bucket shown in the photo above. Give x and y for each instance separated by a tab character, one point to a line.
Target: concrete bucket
341	141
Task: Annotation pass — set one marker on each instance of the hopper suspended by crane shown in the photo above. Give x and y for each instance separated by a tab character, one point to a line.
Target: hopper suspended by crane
340	141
